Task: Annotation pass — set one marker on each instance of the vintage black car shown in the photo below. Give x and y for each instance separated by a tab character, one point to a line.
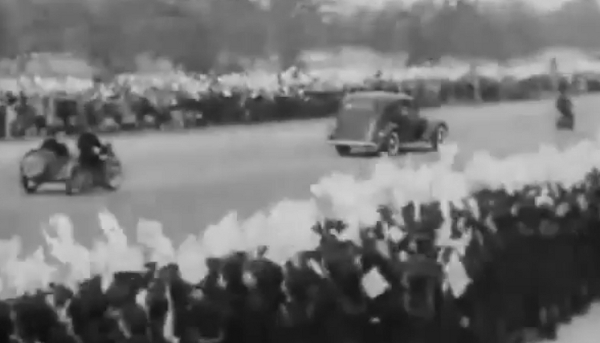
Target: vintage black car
383	122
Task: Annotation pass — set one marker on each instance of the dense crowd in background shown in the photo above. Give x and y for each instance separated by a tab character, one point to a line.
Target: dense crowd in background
227	37
178	100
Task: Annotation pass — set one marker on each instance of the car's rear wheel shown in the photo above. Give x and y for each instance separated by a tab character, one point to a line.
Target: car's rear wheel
438	136
392	145
342	150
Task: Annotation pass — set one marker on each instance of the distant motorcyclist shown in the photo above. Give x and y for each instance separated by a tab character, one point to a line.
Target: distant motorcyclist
564	104
53	143
90	147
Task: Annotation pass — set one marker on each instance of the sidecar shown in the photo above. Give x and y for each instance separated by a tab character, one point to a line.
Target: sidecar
42	166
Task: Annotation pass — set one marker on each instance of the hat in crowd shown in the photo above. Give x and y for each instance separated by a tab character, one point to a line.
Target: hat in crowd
54	130
11	98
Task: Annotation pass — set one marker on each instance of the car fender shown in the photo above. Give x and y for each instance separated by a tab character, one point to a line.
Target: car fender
385	132
431	126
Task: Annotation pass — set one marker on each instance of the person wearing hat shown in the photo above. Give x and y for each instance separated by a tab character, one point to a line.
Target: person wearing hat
564	104
10	119
90	147
53	142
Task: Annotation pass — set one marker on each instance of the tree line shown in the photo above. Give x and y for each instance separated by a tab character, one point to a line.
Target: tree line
204	34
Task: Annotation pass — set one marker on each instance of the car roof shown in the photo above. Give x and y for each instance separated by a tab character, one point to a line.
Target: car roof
378	96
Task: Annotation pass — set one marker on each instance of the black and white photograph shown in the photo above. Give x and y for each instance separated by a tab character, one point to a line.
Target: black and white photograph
299	171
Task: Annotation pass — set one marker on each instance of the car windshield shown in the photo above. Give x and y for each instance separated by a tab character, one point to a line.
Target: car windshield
366	105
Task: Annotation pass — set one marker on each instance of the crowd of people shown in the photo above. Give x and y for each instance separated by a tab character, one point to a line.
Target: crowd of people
488	264
501	264
133	102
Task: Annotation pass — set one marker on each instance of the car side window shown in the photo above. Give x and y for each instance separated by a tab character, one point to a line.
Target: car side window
409	108
395	109
390	111
403	110
359	104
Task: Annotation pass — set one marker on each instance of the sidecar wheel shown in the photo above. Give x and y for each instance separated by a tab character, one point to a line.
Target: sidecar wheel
29	186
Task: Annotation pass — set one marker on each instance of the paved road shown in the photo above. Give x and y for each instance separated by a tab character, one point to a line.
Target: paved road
189	180
583	329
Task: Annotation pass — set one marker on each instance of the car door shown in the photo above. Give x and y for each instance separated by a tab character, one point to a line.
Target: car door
400	115
415	124
354	119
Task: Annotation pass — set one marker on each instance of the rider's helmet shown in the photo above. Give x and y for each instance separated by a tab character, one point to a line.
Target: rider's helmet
52	131
86	129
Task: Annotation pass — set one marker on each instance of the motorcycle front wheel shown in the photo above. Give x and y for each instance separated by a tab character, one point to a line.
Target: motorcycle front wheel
113	175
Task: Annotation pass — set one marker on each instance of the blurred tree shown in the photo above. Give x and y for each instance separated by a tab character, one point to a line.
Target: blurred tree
201	34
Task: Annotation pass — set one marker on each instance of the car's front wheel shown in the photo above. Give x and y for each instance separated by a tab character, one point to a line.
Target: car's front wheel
438	136
342	150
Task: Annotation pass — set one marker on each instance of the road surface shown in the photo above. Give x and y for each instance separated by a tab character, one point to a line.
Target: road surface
189	180
192	179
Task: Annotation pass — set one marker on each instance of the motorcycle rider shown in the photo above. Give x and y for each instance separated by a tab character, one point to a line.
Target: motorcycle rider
53	142
90	147
564	104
